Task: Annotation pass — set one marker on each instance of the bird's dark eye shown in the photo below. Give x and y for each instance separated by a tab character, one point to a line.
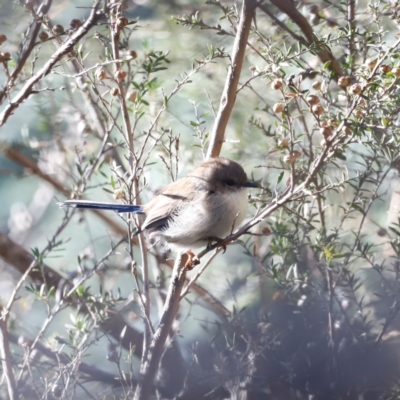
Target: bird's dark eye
230	182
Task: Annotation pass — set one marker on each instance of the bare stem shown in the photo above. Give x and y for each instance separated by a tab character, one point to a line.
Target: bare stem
150	365
228	97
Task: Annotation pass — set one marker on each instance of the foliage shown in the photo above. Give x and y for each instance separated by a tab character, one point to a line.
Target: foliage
305	302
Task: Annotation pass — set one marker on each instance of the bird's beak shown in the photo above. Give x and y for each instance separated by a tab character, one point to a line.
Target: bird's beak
250	185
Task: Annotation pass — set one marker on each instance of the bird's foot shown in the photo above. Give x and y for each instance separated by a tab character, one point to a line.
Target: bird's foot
212	239
192	260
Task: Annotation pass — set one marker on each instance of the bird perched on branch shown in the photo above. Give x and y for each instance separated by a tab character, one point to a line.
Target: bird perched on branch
205	205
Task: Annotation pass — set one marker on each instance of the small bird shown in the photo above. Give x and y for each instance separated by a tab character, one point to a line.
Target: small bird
204	206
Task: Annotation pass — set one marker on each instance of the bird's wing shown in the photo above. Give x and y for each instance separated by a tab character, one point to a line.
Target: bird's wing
167	201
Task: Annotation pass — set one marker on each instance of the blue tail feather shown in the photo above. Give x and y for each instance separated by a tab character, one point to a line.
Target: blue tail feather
96	205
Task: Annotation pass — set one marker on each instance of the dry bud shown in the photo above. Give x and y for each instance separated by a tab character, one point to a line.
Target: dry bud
317	85
344	81
3	38
119	74
114	91
317	109
328	122
396	72
58	29
122	21
278	107
289	159
346	130
361	102
315	19
331	22
75	23
355	89
371	62
284	143
385	68
296	154
358	114
43	36
29	4
276	84
312	99
5	56
101	74
119	194
131	54
326	131
131	96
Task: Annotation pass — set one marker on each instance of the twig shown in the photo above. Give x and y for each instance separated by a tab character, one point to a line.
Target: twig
228	97
199	273
43	9
324	55
6	360
66	48
150	365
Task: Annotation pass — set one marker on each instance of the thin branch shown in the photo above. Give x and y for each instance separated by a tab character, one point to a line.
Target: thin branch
6	360
228	97
150	365
324	55
66	48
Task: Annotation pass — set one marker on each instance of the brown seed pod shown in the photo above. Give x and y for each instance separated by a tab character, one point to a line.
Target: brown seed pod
43	36
396	72
5	56
355	89
122	21
331	22
289	159
58	29
317	109
101	74
370	63
30	4
358	114
312	99
3	38
317	85
276	84
131	54
344	81
75	23
114	91
119	194
385	68
278	107
119	74
131	96
326	131
315	19
361	102
346	130
284	143
296	154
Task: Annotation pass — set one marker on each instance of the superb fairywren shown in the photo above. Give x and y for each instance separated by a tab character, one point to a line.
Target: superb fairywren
207	204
